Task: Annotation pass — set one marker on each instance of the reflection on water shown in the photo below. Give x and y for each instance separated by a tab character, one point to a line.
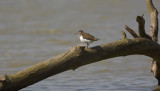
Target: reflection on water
35	30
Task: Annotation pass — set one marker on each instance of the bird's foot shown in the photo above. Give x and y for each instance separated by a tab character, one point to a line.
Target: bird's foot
81	45
86	47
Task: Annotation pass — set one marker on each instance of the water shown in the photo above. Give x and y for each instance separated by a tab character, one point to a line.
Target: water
35	30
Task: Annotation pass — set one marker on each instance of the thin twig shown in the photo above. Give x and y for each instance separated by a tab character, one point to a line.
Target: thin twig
131	31
124	35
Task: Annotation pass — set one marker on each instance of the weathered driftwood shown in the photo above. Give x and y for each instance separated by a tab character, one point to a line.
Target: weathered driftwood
155	64
154	20
79	56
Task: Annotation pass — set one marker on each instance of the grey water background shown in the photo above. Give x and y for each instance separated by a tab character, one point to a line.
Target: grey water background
32	31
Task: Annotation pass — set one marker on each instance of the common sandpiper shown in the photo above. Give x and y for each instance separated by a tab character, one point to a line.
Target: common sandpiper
86	37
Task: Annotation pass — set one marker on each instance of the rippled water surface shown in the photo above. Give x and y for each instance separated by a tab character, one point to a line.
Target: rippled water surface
32	31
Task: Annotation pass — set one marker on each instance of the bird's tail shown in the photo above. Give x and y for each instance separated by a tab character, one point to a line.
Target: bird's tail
96	39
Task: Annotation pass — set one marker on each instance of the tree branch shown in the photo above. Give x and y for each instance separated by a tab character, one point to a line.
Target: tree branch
79	56
154	35
154	20
141	23
131	31
141	27
124	35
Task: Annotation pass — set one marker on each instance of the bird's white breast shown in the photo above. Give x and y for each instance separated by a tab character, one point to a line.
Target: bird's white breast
84	40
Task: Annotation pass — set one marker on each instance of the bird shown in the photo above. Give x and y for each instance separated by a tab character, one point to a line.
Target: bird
86	37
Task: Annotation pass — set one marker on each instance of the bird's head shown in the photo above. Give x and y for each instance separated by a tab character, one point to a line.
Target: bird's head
79	32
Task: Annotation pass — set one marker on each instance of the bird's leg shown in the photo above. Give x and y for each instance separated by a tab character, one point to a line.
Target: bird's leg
87	45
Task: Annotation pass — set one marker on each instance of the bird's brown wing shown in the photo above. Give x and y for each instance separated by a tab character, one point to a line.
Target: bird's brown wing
89	37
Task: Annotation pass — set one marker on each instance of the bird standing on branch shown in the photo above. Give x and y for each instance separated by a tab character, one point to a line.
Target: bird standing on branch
86	37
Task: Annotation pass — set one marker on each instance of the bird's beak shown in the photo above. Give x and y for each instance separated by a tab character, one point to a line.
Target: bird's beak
75	33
